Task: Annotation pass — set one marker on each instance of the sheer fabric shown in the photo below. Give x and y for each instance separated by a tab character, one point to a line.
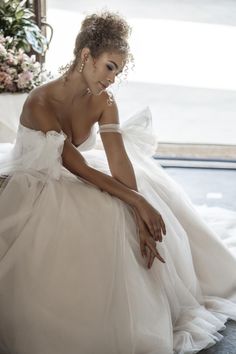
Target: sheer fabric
72	278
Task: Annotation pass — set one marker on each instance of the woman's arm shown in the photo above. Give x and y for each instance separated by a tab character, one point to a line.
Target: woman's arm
122	170
119	163
44	120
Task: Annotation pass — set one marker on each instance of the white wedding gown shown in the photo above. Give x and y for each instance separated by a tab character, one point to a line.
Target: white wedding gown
72	278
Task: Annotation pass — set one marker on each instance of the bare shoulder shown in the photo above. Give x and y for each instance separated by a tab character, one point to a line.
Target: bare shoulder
37	111
110	113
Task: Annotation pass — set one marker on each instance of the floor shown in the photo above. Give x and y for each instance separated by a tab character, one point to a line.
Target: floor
213	188
227	345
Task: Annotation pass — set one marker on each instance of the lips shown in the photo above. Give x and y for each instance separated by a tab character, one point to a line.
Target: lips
104	86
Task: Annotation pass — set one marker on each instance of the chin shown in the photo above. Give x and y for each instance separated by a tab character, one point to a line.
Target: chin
97	92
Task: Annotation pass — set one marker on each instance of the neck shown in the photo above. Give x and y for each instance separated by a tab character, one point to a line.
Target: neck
76	86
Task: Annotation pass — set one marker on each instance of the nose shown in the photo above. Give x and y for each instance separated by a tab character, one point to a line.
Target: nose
111	80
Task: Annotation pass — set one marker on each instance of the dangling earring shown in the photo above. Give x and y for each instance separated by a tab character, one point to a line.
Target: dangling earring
82	67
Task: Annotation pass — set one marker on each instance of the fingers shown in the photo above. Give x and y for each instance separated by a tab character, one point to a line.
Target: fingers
159	230
163	226
157	233
151	229
148	249
153	249
154	222
151	259
143	249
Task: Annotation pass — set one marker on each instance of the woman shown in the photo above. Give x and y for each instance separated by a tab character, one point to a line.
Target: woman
78	236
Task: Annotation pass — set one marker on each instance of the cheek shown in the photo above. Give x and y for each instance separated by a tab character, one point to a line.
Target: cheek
96	72
100	71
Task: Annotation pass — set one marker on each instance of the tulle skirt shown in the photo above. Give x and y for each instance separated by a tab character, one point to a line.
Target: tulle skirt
72	278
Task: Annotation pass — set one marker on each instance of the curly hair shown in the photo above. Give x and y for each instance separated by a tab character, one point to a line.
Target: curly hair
102	32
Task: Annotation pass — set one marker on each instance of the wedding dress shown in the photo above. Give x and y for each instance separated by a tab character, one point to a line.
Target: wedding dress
72	278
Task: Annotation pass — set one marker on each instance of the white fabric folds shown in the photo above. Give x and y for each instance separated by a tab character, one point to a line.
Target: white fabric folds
72	278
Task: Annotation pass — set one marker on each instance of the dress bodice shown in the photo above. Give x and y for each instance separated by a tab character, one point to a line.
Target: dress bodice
25	134
37	151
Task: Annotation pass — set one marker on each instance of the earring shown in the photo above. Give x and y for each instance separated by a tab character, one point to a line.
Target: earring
82	67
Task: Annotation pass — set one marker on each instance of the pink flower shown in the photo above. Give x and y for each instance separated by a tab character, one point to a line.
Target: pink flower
8	80
18	71
24	79
11	59
9	84
11	87
3	76
3	67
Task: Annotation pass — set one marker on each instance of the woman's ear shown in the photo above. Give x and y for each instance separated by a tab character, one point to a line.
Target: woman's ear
85	54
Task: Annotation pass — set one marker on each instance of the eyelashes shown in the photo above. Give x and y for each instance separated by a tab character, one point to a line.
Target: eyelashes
110	68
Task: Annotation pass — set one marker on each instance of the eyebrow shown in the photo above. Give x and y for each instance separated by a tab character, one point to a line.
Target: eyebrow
114	64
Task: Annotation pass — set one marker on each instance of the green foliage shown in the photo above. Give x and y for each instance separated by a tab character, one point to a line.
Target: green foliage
17	22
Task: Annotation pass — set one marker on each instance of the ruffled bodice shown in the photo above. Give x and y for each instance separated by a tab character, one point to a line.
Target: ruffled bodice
33	150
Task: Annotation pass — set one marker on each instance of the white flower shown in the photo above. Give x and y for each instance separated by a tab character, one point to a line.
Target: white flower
25	66
11	71
3	51
33	59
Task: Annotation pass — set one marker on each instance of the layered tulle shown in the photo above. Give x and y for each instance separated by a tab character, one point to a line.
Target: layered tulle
72	278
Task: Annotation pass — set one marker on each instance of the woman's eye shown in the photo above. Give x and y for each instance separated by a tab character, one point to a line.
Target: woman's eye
109	67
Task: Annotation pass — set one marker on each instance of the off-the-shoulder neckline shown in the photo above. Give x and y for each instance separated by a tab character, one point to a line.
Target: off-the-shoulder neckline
54	132
40	131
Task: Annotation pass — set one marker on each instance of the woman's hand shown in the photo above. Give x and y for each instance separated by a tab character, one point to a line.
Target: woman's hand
148	247
152	218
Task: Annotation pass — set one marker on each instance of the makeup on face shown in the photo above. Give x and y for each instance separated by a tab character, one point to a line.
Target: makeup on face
110	67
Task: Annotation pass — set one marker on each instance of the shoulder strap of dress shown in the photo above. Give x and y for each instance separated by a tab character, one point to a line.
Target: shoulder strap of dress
110	128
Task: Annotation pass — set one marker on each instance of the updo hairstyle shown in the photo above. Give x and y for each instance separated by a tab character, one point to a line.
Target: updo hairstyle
101	32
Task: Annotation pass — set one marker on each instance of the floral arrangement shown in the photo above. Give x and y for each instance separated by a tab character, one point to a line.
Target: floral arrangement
20	37
19	72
